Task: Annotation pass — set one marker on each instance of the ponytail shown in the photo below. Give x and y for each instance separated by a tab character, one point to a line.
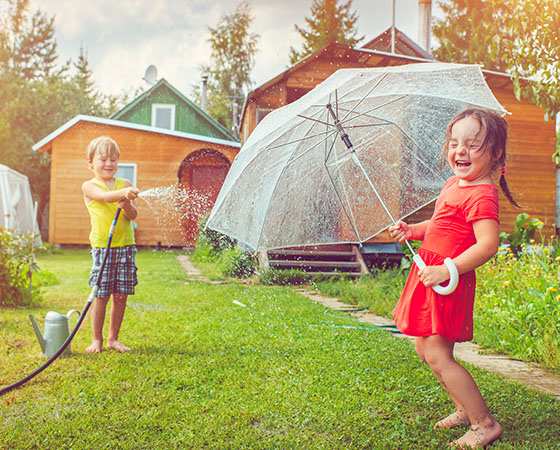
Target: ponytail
505	189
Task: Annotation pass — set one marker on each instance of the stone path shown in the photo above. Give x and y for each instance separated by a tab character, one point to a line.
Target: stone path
529	374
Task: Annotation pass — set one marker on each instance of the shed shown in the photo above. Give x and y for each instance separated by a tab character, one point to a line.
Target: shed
531	173
188	170
17	210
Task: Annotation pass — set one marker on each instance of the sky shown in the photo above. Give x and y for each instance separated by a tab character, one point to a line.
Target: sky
123	37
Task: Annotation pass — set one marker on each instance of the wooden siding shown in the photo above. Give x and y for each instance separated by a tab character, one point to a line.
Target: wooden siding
158	158
186	118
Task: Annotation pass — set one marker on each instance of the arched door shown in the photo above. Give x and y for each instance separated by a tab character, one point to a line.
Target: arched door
201	176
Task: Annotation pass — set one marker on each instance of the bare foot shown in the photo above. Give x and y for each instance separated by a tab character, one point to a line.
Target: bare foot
117	346
453	420
479	437
95	347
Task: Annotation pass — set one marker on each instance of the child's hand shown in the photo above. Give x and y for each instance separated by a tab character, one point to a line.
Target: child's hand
130	193
433	275
400	231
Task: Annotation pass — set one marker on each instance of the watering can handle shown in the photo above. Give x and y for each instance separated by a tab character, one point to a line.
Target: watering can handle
69	313
453	275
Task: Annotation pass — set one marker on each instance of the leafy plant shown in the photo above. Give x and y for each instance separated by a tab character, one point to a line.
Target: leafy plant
518	305
210	243
16	264
524	232
234	262
288	277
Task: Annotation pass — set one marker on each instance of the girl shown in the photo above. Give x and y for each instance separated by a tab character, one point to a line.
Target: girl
465	227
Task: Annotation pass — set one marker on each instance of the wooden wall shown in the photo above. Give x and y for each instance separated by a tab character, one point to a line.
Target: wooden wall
531	174
158	157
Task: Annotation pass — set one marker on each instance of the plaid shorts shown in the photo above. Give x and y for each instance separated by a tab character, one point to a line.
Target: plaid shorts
119	274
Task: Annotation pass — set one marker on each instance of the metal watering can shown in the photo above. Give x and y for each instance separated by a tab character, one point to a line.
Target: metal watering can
56	332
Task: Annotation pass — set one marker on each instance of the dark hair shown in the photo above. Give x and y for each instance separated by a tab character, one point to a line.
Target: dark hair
495	141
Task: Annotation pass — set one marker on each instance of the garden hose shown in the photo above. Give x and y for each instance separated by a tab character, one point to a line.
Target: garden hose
90	299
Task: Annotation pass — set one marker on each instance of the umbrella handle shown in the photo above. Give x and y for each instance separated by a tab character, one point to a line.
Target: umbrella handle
453	275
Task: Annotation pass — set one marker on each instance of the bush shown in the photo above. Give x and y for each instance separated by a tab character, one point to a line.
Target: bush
16	264
524	232
234	262
215	240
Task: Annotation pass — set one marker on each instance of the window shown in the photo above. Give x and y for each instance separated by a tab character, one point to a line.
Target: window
127	171
261	114
163	116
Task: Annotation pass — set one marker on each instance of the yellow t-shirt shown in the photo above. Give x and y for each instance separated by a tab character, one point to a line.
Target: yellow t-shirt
102	215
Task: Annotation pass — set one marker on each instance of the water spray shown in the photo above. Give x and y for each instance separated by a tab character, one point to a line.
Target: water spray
89	301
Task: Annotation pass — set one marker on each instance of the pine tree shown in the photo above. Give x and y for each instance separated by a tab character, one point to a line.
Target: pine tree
464	31
27	44
329	22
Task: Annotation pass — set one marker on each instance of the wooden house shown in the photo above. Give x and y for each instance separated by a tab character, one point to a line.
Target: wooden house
531	173
167	145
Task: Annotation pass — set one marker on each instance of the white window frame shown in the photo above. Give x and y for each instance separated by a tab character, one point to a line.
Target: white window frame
171	108
134	167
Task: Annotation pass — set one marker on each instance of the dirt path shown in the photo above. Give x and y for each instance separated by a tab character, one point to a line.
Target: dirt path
529	374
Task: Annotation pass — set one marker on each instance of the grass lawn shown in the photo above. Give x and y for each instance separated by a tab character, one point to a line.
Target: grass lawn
205	372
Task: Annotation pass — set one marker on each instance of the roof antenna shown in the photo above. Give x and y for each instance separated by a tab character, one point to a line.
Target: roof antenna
150	76
393	31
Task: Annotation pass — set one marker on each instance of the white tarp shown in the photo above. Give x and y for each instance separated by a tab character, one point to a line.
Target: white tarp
17	211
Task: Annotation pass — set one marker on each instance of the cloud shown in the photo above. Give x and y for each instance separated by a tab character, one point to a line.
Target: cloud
123	37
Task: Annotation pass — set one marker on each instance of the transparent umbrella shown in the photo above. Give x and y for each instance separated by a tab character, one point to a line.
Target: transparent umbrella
359	152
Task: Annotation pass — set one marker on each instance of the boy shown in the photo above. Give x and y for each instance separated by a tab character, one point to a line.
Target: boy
103	194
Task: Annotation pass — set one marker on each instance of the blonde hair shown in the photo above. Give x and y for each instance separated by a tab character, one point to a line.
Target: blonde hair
102	146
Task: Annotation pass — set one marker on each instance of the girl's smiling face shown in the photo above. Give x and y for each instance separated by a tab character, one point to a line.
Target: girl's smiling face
470	162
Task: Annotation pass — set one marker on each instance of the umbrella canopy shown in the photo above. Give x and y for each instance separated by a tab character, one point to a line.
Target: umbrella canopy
303	179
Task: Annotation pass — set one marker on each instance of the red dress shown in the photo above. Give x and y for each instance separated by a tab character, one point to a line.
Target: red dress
420	310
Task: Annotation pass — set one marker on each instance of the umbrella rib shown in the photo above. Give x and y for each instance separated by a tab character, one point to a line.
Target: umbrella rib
387	122
363	97
291	161
271	147
314	120
349	215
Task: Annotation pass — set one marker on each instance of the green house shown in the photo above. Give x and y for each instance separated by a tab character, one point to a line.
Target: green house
163	106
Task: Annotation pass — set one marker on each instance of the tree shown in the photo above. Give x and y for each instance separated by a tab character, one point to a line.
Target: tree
530	46
329	22
463	31
27	45
36	95
233	58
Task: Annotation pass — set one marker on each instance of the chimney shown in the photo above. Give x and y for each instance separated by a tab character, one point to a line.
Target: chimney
204	93
424	23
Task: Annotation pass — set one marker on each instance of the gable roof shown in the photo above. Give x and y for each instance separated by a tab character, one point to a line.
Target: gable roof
403	45
162	84
362	57
130	125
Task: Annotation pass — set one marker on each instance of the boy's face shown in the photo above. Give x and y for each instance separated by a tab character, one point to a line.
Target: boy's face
104	165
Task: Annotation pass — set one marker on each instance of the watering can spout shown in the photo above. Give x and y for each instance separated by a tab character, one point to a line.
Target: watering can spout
37	332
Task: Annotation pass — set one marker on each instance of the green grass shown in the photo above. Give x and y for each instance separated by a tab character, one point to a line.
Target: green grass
279	373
